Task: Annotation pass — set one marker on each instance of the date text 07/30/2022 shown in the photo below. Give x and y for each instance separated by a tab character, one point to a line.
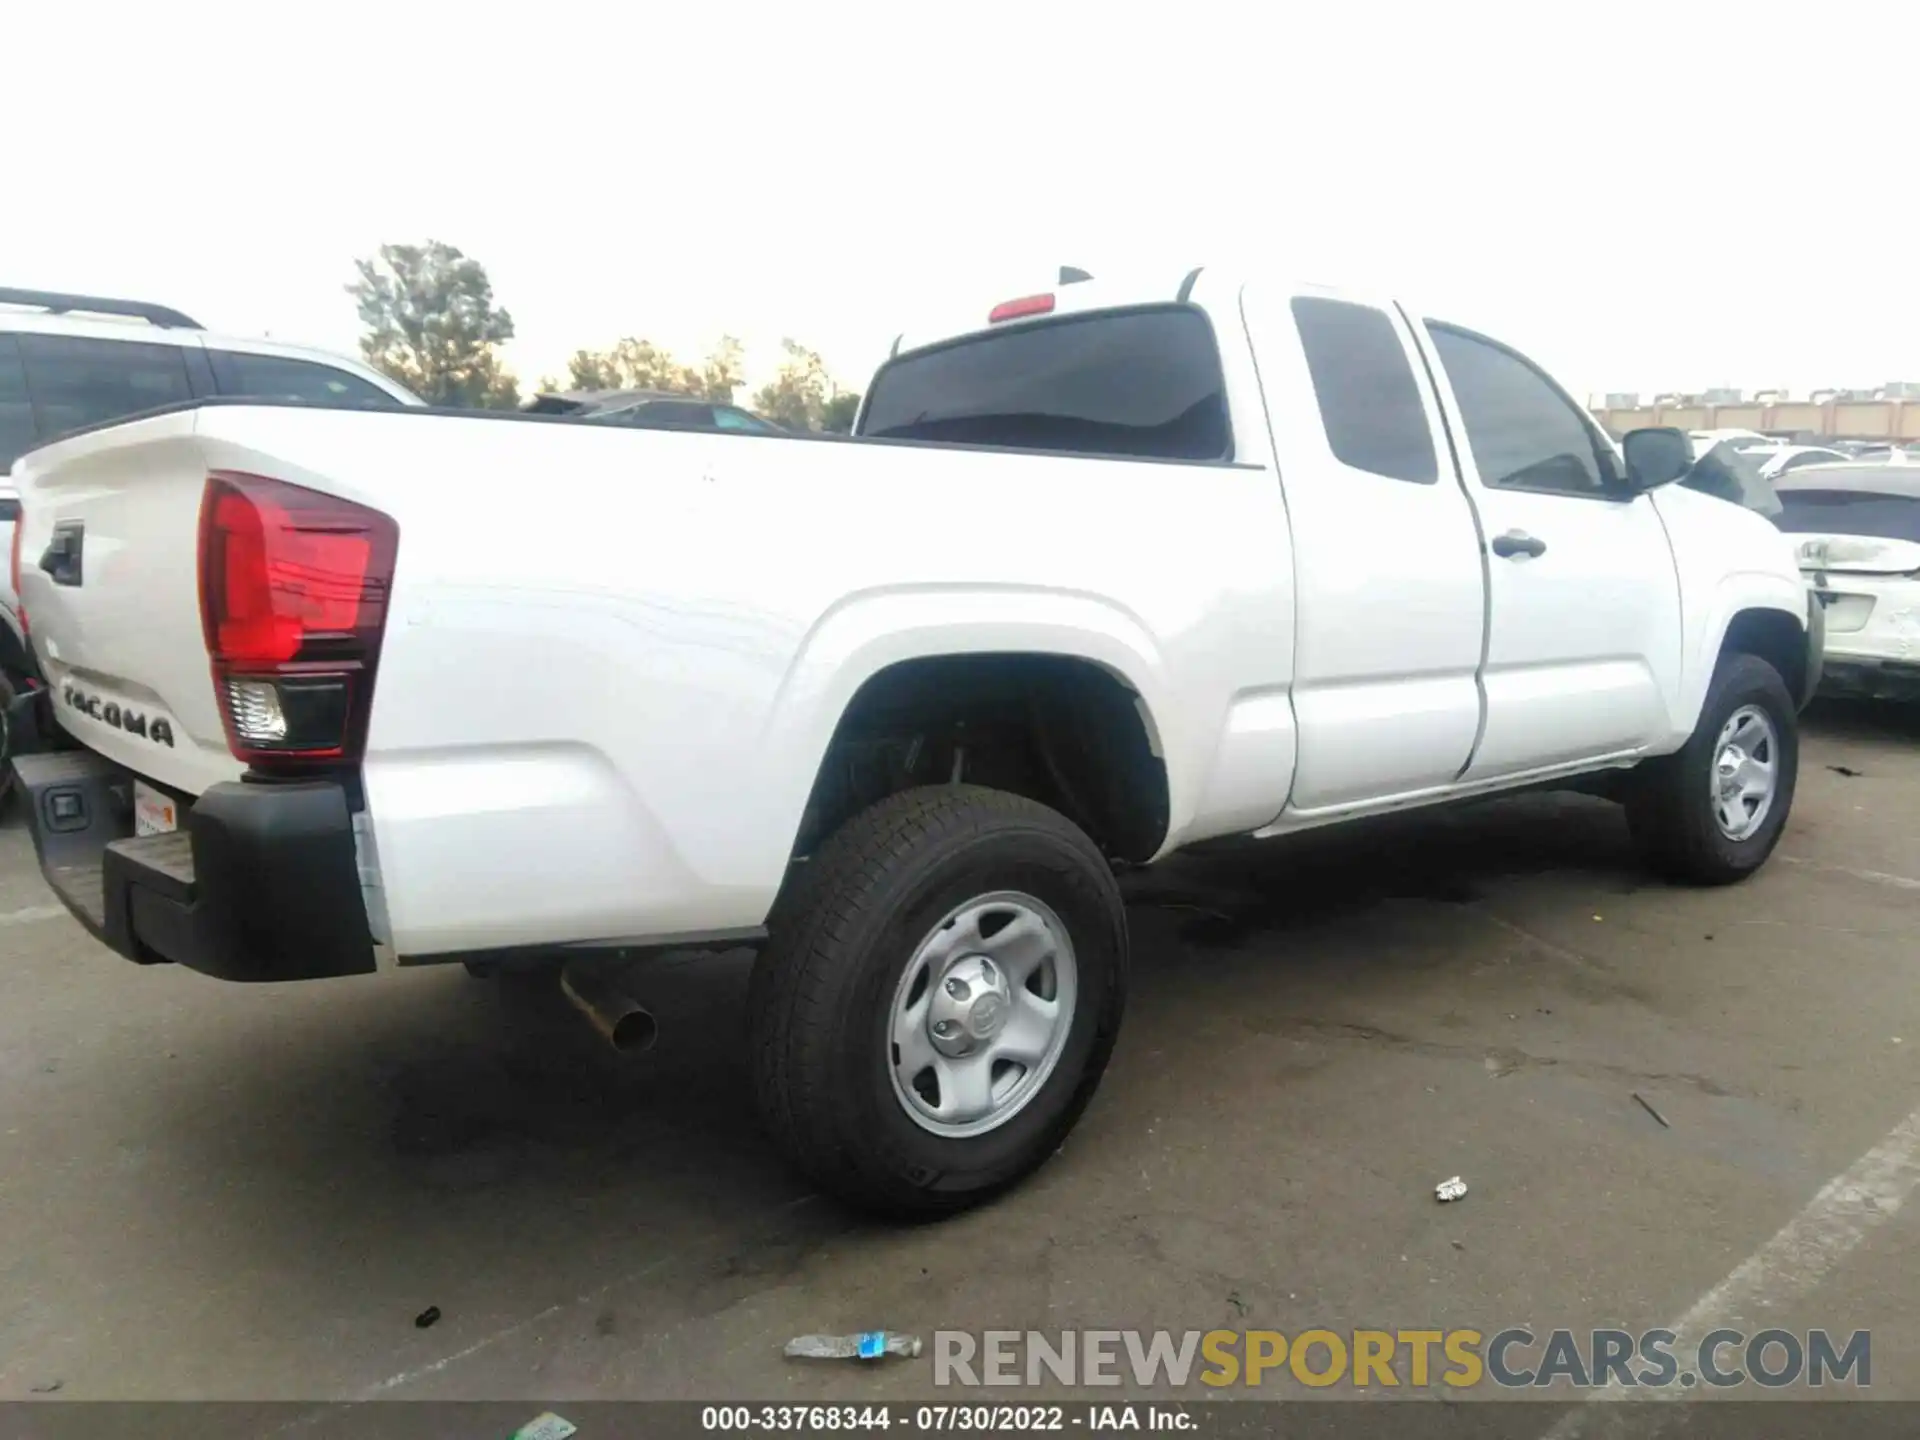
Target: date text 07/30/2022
1108	1419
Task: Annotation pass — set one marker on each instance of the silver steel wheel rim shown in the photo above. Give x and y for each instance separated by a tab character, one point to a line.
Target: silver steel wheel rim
981	1014
1746	770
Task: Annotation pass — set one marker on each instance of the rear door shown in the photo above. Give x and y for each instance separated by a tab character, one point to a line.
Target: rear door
1584	613
1390	590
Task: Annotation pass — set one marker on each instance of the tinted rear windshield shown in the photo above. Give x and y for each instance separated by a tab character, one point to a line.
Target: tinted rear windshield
1850	512
1141	383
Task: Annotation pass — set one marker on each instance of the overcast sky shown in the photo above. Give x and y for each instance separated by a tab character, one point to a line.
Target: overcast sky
1677	196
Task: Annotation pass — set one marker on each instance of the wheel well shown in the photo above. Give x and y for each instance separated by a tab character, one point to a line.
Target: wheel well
1064	731
1777	638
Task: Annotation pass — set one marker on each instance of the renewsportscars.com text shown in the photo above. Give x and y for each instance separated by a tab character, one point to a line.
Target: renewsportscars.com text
1514	1358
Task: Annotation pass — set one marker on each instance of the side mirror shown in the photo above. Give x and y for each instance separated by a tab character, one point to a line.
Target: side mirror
1656	456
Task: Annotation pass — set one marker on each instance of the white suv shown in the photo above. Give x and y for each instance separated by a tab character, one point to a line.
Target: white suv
71	361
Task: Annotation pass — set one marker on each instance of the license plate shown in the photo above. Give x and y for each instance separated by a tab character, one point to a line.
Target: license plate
153	813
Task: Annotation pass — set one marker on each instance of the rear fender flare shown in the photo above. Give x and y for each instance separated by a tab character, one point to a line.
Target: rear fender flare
866	634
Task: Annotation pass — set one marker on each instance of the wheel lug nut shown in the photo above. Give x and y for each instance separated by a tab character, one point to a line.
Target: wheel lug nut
957	988
944	1028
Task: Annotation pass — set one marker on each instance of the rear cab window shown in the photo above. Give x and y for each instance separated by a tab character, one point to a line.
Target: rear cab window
1140	383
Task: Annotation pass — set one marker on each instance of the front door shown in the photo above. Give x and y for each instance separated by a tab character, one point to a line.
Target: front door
1584	604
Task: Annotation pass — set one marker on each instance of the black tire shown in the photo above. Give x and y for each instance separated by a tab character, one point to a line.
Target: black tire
1670	804
822	992
7	693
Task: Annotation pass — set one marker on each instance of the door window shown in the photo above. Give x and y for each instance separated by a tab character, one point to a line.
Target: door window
725	419
277	377
16	411
1369	404
77	382
1524	432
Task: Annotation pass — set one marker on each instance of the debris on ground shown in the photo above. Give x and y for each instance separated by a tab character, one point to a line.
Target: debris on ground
546	1426
47	1389
1239	1305
867	1345
426	1317
1647	1106
1845	770
1450	1190
1205	912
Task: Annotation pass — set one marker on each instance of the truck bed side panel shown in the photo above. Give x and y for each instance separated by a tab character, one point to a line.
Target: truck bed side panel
614	658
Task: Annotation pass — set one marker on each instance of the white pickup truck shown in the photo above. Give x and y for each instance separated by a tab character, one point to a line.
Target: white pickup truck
1102	574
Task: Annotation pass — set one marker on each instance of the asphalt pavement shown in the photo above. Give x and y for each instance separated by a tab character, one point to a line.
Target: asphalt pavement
216	1191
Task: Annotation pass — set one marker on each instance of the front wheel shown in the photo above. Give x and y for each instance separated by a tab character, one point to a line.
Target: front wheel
1711	813
939	999
7	694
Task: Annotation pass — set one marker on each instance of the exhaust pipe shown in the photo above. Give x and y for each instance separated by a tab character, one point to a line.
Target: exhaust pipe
621	1021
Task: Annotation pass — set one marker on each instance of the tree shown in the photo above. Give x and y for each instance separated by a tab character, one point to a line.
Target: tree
432	325
720	375
635	364
839	412
800	391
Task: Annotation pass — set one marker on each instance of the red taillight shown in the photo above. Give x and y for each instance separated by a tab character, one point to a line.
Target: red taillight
13	570
1020	309
293	602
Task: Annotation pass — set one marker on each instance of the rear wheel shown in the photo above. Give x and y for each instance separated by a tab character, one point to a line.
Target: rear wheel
938	1000
1712	812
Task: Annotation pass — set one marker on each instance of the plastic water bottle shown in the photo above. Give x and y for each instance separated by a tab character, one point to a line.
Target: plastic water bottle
867	1345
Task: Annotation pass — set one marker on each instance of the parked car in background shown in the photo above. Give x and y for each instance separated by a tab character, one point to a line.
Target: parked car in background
1784	459
1704	440
1857	533
1105	572
1731	472
1882	453
651	410
68	362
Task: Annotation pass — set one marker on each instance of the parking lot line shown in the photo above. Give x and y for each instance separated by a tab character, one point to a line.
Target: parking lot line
31	914
1877	877
1801	1253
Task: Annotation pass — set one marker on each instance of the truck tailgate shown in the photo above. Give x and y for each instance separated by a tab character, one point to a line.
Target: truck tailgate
109	583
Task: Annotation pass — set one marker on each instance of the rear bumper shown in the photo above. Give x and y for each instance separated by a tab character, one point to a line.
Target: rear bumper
28	723
1816	650
260	883
1865	678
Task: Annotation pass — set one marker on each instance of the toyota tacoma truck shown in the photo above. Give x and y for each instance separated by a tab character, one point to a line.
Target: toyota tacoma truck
1103	573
